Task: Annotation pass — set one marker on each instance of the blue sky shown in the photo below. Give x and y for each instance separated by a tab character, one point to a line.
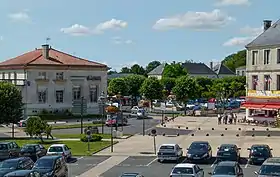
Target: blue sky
124	32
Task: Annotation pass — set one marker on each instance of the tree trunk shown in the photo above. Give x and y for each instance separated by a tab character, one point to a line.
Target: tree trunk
13	130
185	109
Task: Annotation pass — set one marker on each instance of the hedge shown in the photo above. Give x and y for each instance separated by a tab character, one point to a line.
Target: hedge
94	137
62	116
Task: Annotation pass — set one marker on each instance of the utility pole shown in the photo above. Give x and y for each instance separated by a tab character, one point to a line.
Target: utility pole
82	113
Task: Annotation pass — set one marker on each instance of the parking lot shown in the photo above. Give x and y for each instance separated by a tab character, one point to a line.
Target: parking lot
148	166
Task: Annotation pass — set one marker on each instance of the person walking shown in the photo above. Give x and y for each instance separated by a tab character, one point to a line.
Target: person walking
225	119
219	119
235	118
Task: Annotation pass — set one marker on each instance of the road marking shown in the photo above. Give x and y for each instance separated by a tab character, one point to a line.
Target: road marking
80	158
213	164
151	162
247	164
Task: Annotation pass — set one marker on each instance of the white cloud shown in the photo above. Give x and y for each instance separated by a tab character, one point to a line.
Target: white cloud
76	30
232	2
112	24
119	40
250	32
20	16
195	20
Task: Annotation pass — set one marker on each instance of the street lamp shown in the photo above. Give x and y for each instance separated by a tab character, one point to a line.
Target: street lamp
102	99
120	107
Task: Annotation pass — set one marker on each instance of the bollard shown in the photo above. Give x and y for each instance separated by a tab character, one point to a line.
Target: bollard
192	134
88	120
178	134
164	125
253	135
163	134
55	122
187	128
66	121
179	127
213	128
253	129
225	128
239	128
268	135
222	134
267	129
207	134
149	134
237	135
199	128
78	121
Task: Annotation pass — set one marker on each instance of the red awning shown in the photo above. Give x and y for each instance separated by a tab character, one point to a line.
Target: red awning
253	106
272	106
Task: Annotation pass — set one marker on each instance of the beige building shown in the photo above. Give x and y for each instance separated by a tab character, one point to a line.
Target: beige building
241	71
53	80
263	73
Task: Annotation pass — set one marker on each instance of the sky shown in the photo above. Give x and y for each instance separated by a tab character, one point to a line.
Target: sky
125	32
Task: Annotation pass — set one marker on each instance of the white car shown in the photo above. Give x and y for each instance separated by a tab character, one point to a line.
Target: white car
187	170
172	152
60	149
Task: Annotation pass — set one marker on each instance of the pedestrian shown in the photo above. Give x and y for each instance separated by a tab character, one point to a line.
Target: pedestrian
225	119
219	119
235	118
230	118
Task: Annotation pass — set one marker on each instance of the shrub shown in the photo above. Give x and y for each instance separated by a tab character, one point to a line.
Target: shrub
93	138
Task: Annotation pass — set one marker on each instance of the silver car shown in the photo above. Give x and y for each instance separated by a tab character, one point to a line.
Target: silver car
271	167
227	169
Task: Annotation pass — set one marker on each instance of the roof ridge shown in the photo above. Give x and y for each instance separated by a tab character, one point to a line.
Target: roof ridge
34	59
228	68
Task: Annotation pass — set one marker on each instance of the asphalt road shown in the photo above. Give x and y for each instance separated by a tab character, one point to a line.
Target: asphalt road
134	126
148	166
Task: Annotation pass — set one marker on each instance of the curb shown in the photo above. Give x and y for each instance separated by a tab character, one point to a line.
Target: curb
116	142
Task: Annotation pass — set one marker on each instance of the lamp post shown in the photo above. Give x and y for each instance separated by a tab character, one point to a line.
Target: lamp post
102	99
120	107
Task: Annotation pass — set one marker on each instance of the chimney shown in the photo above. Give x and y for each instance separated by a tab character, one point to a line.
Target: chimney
266	24
45	51
211	65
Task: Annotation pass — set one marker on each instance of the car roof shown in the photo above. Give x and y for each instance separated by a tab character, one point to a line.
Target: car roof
227	163
227	145
51	157
186	165
200	142
7	142
272	161
57	145
259	145
131	173
31	145
168	145
19	173
16	159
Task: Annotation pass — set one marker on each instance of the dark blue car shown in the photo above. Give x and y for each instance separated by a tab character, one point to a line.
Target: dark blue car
23	173
10	165
228	152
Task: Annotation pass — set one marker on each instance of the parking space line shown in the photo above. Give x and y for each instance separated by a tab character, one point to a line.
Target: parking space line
80	158
151	162
247	164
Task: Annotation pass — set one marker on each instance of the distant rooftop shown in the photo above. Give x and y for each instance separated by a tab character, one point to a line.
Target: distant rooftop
158	70
222	69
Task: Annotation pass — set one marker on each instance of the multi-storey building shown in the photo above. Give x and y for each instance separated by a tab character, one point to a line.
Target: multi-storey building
53	80
263	74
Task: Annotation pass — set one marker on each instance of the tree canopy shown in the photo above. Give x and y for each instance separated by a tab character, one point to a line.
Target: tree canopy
134	83
174	70
117	85
235	60
152	88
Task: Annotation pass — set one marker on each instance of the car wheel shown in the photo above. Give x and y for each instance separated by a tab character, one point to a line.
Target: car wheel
160	161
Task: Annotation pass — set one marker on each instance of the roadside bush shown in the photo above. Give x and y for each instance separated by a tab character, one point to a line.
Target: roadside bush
93	138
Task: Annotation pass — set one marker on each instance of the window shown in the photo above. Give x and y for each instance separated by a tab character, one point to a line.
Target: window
3	75
59	76
93	94
254	57
59	96
254	82
266	57
278	56
42	75
278	82
42	96
238	73
267	80
76	93
243	73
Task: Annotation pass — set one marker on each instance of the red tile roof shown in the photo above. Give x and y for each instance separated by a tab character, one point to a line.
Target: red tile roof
56	58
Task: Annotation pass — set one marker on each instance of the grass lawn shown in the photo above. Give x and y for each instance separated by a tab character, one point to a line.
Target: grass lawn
74	126
64	136
78	148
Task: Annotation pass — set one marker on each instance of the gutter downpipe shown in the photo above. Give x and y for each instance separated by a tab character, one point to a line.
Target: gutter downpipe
26	99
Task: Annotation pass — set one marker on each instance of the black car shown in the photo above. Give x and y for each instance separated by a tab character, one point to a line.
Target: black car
23	173
228	152
131	175
8	150
199	151
259	153
10	165
34	151
227	169
51	166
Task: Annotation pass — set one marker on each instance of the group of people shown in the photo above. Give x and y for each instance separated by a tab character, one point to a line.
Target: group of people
227	118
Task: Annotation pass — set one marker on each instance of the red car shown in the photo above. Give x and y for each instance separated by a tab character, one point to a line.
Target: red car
116	121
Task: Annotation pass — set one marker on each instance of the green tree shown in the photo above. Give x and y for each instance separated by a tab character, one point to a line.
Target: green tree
137	69
152	65
117	85
205	87
235	60
134	83
168	83
174	70
125	70
152	89
185	89
35	127
10	104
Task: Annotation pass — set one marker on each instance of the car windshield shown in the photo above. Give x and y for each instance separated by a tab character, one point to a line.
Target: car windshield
226	148
44	163
28	148
167	147
129	175
3	147
224	170
270	170
261	149
182	170
55	149
12	164
199	146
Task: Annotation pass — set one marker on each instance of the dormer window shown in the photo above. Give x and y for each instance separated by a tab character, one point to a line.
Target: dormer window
59	76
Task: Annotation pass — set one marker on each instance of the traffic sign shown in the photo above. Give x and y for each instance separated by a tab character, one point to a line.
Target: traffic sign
154	131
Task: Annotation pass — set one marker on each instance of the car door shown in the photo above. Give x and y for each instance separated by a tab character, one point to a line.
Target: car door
179	150
43	150
198	171
15	148
38	151
58	168
209	150
66	150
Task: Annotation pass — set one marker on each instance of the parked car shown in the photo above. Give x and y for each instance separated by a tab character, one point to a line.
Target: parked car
10	165
141	114
23	173
258	153
172	152
8	150
51	166
227	169
131	175
228	152
34	151
270	168
60	149
116	121
186	170
23	122
199	151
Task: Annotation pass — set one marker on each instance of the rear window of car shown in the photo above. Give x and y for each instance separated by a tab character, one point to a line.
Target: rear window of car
167	147
44	163
28	148
259	148
3	147
182	170
55	149
227	148
224	170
